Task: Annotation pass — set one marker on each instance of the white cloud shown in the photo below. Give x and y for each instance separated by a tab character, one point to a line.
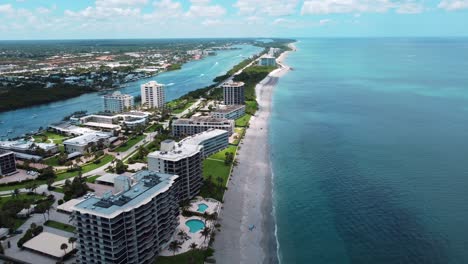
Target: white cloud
43	10
453	5
212	22
323	22
120	3
268	7
202	8
360	6
6	9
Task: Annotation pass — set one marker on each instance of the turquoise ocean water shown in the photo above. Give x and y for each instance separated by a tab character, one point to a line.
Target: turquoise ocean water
369	141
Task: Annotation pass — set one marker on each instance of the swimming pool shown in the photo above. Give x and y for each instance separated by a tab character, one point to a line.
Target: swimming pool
202	207
195	225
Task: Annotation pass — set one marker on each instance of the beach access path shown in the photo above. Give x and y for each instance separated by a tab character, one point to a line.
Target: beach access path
247	223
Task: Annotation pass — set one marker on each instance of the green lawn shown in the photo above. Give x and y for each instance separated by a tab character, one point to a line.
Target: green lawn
86	168
130	143
52	161
56	138
221	155
184	258
22	196
243	121
61	226
180	105
20	185
251	107
92	179
152	128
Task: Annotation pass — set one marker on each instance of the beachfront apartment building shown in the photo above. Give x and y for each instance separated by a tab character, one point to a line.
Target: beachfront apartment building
83	143
212	141
234	93
153	95
131	226
118	102
267	60
187	127
229	111
7	163
184	160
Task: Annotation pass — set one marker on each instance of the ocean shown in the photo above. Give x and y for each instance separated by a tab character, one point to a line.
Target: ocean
369	146
192	76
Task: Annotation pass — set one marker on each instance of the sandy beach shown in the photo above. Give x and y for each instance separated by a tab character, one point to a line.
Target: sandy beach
248	200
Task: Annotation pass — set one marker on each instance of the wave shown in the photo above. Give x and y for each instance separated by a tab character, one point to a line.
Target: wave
170	84
201	75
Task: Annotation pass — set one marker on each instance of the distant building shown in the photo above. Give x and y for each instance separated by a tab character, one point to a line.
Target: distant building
113	122
24	149
267	61
184	160
83	143
118	102
188	127
212	141
152	95
234	93
229	111
132	226
7	163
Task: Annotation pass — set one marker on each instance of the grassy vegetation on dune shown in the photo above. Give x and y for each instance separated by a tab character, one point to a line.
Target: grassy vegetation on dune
243	121
194	256
60	226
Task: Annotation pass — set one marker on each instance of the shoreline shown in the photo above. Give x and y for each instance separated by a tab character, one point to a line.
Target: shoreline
248	200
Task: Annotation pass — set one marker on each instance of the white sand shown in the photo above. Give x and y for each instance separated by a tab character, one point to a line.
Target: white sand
248	200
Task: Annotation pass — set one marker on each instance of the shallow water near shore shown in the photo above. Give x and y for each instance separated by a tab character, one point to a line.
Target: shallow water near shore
368	145
192	76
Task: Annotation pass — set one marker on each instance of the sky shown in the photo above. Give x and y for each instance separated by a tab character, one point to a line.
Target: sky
98	19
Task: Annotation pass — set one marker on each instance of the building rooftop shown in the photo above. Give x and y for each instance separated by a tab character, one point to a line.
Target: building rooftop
199	138
233	84
179	151
87	138
108	177
228	108
24	145
148	185
117	95
151	84
48	244
101	125
200	119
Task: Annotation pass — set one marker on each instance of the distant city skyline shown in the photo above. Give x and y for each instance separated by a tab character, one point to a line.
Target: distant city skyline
84	19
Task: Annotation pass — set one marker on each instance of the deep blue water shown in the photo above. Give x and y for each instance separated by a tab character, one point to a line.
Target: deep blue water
192	76
370	152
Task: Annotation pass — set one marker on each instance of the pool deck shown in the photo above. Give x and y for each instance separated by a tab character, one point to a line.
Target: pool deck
213	207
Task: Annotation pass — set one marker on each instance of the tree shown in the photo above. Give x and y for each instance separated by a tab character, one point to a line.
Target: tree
72	241
220	181
193	246
205	233
50	181
47	173
174	246
64	248
120	167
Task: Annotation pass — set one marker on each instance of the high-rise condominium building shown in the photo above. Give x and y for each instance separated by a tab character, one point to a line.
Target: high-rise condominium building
184	160
118	102
183	127
132	226
152	95
234	93
7	162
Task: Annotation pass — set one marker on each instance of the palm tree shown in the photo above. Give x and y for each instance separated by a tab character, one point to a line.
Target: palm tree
72	241
174	246
182	235
205	233
64	248
193	246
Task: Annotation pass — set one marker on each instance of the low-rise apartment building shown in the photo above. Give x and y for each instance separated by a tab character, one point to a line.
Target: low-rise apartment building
83	143
229	111
188	127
